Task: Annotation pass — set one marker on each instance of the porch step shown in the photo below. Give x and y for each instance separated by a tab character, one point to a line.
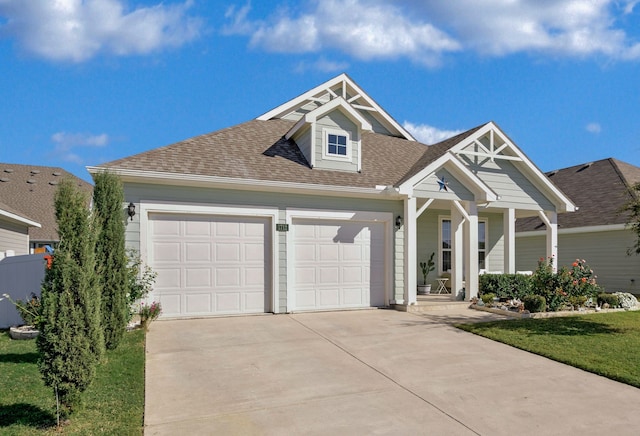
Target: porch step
428	303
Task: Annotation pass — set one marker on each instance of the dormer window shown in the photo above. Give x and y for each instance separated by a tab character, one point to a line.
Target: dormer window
337	144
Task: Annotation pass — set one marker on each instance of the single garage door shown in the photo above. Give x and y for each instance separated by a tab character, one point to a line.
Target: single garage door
338	264
210	265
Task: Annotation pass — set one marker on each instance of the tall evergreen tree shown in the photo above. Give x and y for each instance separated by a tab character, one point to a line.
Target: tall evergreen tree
108	197
633	208
71	341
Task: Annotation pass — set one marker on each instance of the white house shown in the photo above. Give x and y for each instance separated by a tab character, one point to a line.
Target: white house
326	202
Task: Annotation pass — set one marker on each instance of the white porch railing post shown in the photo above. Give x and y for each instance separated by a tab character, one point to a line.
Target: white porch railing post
552	238
471	255
411	251
457	251
509	226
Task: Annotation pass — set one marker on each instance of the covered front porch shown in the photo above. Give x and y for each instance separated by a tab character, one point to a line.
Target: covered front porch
463	207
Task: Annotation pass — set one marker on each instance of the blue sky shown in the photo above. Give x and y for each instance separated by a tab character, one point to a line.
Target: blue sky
86	82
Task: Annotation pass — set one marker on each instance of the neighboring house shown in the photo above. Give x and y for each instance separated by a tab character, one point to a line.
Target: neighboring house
326	202
28	191
14	231
596	232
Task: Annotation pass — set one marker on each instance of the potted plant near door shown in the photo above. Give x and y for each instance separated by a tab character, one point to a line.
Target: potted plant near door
426	268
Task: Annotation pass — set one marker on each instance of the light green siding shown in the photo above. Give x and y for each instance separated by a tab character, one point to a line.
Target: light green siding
14	237
220	197
376	126
430	188
605	252
303	140
514	188
336	121
495	243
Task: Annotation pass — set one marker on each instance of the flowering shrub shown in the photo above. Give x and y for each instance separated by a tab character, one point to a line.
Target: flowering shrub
149	312
568	287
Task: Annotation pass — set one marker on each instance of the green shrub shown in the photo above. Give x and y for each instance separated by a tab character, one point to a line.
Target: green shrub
505	286
577	300
610	299
534	303
487	299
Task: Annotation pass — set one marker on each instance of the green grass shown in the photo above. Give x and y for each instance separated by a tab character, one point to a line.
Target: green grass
605	344
113	404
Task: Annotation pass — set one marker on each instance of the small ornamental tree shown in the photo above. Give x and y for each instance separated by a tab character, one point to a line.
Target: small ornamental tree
108	197
633	208
71	343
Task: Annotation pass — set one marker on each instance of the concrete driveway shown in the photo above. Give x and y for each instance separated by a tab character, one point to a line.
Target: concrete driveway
367	372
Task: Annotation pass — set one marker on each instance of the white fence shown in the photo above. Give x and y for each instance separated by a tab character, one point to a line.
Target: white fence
19	277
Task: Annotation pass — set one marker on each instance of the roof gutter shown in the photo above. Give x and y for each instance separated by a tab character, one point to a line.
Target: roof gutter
18	218
196	180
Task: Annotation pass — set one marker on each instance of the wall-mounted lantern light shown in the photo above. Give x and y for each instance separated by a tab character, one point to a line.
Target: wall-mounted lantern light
398	222
131	210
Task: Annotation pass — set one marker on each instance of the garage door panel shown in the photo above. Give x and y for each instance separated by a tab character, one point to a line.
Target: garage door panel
167	278
198	277
197	303
227	230
166	251
198	252
228	252
338	264
254	276
328	252
227	277
197	227
254	252
171	304
210	265
329	276
305	252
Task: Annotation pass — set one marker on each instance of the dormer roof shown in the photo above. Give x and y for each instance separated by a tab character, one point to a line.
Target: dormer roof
344	87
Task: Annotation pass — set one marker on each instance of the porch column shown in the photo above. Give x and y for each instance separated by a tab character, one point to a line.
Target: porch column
509	229
457	251
552	238
471	254
410	251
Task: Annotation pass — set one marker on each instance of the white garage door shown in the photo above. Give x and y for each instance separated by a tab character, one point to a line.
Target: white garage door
338	264
210	265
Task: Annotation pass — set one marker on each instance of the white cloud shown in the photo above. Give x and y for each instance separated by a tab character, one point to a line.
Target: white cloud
364	30
428	134
322	65
77	30
426	31
593	128
66	142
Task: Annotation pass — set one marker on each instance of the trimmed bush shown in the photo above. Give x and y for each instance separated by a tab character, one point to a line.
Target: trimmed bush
487	299
610	299
506	286
534	303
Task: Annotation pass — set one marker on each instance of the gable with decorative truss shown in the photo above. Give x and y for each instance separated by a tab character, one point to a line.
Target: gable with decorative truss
340	86
495	159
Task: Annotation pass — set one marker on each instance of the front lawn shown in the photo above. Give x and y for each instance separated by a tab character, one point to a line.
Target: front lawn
113	404
607	344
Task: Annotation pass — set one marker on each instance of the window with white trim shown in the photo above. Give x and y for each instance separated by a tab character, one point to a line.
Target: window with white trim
337	144
446	243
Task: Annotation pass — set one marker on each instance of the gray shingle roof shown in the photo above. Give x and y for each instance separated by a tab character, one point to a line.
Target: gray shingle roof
599	189
30	190
257	150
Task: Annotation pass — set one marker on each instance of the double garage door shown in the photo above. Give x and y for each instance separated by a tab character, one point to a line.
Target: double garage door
219	264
